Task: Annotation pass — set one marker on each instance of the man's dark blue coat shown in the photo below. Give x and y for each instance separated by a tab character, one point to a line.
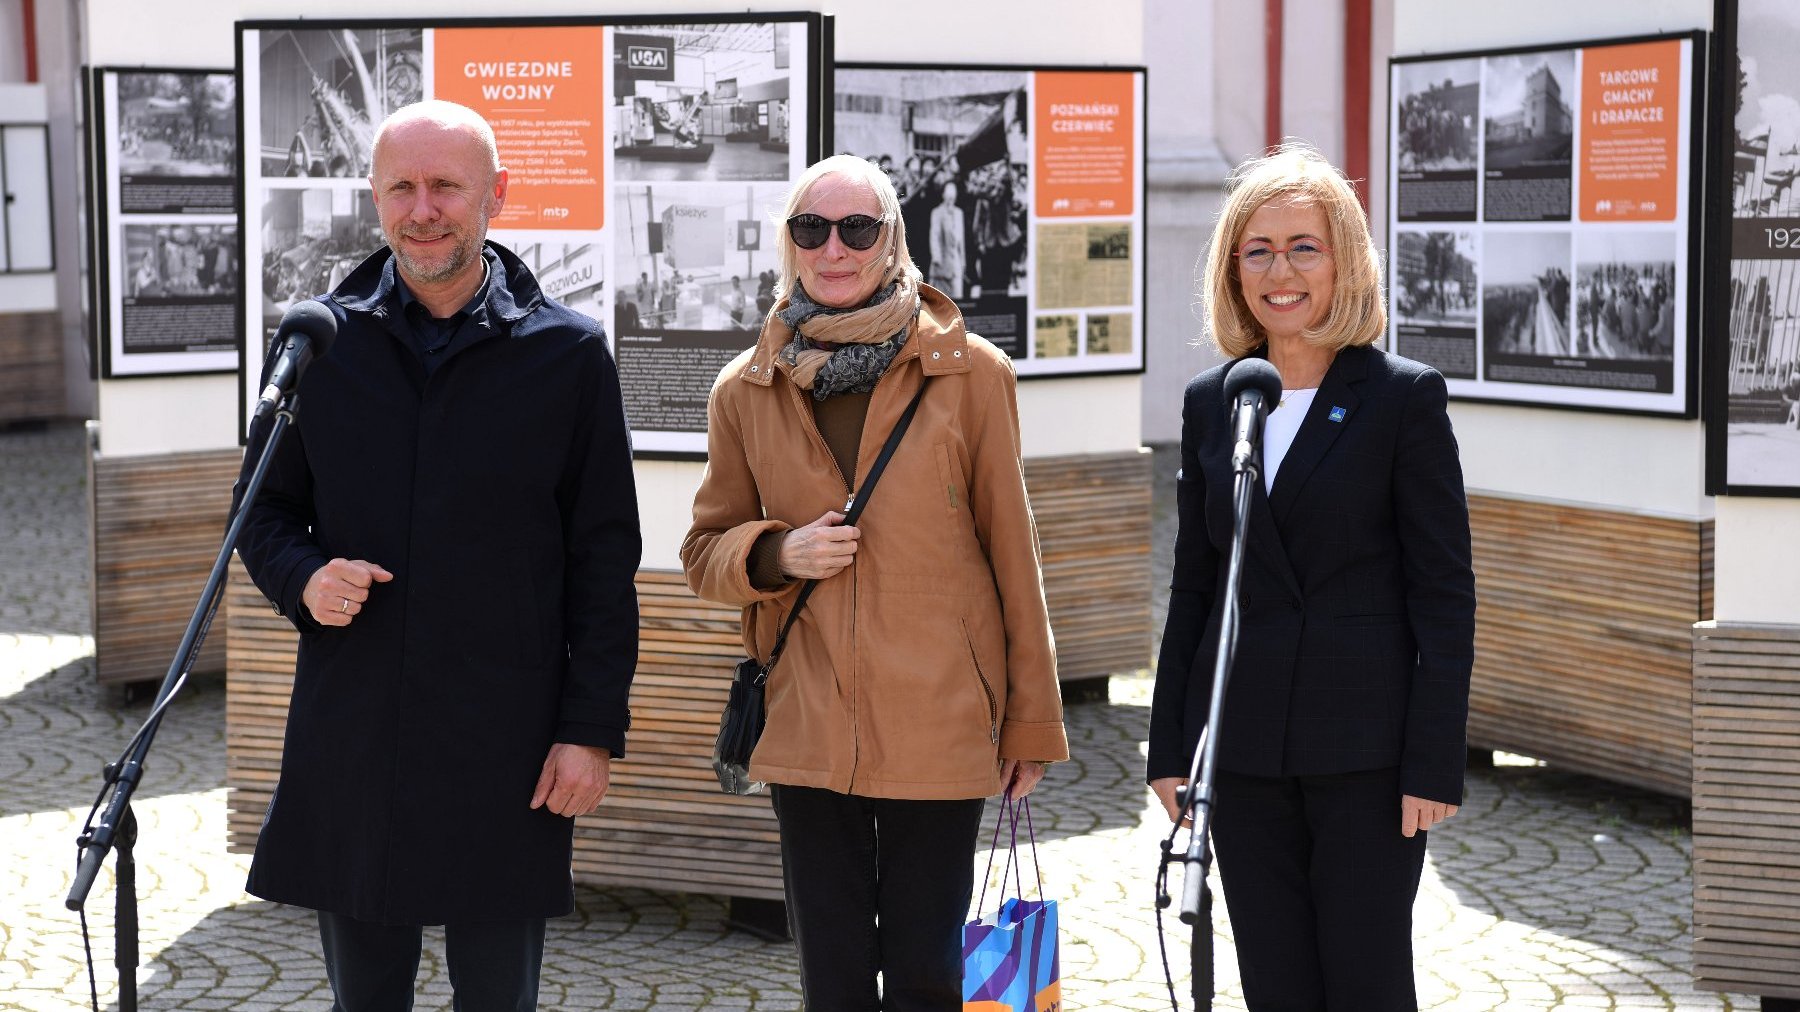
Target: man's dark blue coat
499	493
1358	594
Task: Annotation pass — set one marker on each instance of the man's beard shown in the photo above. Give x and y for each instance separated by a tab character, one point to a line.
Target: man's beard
464	247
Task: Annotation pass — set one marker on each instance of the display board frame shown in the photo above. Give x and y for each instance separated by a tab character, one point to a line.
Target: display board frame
157	199
1752	441
650	138
1024	289
1498	171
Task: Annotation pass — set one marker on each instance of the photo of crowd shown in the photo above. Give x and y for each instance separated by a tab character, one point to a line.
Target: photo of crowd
1435	280
1525	294
180	260
176	124
955	144
1625	296
324	91
1436	121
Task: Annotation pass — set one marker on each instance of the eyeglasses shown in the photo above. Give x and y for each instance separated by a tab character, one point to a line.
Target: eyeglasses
1256	258
858	231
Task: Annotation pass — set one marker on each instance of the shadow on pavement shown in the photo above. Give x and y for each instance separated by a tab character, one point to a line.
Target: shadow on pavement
61	729
619	949
1572	855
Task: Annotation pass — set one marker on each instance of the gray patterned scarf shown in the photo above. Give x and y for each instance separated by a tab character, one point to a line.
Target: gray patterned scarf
858	356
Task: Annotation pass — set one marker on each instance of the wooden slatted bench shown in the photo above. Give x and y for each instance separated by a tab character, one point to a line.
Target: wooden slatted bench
157	524
1583	637
1746	795
665	825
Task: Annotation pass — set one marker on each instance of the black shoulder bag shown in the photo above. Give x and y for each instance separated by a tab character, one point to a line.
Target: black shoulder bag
741	725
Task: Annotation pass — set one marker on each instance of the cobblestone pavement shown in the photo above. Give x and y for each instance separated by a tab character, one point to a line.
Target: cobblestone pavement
1548	891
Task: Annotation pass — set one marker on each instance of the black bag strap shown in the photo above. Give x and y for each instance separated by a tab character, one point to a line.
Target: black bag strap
856	509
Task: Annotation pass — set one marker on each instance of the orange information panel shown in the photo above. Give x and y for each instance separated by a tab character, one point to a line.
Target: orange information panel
1086	157
540	89
1631	108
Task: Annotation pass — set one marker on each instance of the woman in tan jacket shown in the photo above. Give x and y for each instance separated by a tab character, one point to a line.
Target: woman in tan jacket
920	677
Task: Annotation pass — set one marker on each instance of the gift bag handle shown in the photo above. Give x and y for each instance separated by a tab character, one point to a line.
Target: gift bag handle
1010	807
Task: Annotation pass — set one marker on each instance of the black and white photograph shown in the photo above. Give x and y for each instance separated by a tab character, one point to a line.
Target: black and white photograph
704	102
1766	117
176	141
955	144
180	259
312	239
1762	375
1528	133
572	273
696	277
1525	294
323	92
685	261
1435	278
180	291
1434	135
1755	375
1436	123
1436	289
1625	296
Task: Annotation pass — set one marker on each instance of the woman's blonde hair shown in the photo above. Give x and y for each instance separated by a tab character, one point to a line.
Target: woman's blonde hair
1295	172
896	262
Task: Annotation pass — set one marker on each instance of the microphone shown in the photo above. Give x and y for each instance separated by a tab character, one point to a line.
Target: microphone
306	333
1250	387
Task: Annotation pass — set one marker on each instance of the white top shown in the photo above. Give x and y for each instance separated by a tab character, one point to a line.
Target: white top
1279	428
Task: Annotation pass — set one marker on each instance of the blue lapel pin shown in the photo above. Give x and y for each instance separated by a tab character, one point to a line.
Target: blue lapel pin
1337	413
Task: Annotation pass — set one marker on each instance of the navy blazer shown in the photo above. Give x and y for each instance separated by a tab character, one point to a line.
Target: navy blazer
1358	596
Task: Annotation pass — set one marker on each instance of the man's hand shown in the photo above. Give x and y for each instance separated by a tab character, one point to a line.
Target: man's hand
1417	814
574	779
1019	776
819	550
1164	789
336	591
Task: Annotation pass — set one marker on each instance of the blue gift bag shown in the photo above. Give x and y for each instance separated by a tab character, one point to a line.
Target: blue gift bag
1010	959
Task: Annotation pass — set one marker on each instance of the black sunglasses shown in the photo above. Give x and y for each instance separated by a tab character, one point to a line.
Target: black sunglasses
858	231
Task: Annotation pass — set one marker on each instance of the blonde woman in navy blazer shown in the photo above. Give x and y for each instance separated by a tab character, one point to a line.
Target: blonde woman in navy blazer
1343	733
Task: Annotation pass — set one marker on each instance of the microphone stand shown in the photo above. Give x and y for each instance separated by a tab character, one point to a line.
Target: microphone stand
117	828
1195	798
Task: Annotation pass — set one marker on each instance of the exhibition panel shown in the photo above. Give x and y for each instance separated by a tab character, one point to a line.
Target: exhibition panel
1543	221
646	157
164	280
1753	384
1022	189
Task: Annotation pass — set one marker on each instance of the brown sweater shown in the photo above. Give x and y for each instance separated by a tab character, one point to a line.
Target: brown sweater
840	420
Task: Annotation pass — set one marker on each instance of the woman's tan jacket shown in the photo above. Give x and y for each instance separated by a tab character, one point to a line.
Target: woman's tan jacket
913	671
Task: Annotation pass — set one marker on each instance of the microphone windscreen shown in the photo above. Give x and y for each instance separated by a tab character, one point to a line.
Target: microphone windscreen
310	318
1253	374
